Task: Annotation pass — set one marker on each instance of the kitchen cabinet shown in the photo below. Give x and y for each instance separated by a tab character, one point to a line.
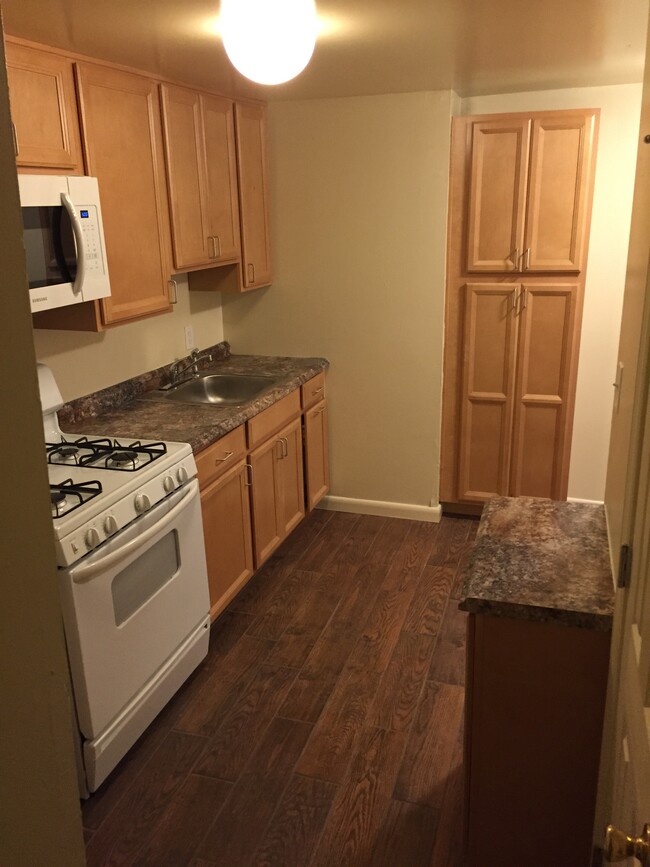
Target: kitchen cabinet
519	354
315	440
202	177
43	111
519	212
123	147
529	189
250	131
225	505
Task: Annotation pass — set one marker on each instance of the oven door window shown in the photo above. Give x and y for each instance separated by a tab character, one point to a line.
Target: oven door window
142	579
49	246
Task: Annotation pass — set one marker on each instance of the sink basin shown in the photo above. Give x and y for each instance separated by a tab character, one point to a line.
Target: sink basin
221	389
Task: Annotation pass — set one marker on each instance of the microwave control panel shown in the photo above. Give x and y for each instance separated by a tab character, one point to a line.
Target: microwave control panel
92	243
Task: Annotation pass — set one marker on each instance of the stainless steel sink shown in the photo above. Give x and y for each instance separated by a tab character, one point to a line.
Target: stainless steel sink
221	389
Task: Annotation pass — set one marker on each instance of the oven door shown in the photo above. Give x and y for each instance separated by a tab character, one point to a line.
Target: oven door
130	606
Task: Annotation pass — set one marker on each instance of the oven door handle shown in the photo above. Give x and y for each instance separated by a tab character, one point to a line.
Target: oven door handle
68	204
90	570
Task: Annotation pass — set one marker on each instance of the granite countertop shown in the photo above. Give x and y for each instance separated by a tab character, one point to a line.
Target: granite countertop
537	559
128	410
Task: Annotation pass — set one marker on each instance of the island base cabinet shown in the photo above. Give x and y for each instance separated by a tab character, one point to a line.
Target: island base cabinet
534	717
277	489
227	529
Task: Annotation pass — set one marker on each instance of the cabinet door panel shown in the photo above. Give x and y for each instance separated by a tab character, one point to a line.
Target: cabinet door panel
548	350
127	159
291	493
44	110
221	175
227	530
489	346
497	194
253	204
560	168
185	158
266	533
316	454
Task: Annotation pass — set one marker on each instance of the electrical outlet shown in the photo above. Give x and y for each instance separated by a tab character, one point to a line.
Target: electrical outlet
189	337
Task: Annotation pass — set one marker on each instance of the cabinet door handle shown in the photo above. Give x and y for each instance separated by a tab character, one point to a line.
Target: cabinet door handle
286	446
279	442
211	251
515	299
515	259
527	259
524	298
174	286
15	137
251	272
217	245
224	458
249	473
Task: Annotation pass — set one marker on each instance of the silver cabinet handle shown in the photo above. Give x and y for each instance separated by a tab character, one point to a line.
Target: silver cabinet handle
224	458
15	137
527	259
515	299
174	286
279	442
212	253
286	447
524	298
515	259
217	245
249	473
251	272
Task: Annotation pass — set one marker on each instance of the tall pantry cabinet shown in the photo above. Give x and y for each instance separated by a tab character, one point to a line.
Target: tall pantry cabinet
520	203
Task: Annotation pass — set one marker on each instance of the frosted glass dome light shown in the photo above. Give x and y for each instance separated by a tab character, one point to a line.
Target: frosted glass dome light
269	41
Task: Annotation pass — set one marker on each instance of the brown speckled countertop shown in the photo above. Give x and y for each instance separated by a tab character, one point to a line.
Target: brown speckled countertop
537	559
127	410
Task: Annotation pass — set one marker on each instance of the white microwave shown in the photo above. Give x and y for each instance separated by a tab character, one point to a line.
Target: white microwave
64	240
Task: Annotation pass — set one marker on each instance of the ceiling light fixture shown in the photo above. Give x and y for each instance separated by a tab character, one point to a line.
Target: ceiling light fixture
269	41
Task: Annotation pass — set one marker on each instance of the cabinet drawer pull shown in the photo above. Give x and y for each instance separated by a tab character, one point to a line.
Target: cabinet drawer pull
15	137
251	272
249	473
320	411
224	458
318	390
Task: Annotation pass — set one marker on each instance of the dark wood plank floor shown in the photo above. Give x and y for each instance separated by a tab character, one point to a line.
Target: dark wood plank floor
325	725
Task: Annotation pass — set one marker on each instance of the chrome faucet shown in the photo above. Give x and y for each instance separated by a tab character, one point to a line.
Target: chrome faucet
190	363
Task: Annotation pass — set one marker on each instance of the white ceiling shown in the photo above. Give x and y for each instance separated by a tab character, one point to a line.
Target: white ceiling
367	46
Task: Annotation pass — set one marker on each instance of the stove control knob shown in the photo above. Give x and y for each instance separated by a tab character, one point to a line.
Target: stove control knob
110	525
142	503
182	475
169	484
92	538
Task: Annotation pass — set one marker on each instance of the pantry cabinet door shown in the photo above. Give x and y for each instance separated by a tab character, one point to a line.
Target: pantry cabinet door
250	130
545	390
123	146
184	156
562	153
228	543
487	390
497	194
43	111
221	177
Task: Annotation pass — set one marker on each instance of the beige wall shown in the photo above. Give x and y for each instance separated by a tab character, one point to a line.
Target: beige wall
40	819
359	200
610	227
87	362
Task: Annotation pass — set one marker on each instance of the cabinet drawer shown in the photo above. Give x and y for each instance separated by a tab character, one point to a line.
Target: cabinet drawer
313	390
273	418
220	456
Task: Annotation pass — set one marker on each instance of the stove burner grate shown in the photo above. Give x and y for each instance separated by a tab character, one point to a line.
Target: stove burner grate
68	496
104	453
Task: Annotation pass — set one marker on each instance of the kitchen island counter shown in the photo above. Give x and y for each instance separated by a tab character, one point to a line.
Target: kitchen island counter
129	412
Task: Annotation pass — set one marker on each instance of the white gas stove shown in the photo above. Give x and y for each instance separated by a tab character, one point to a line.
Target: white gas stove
133	579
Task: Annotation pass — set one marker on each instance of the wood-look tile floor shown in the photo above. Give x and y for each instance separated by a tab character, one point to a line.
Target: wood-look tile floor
325	725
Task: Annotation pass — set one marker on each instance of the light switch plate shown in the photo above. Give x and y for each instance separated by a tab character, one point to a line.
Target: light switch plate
189	337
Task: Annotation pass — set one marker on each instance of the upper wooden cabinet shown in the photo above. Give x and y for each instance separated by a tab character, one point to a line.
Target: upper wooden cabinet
202	176
123	147
528	192
43	111
250	131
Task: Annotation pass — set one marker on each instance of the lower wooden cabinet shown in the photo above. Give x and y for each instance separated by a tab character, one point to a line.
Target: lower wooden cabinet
225	505
277	489
316	455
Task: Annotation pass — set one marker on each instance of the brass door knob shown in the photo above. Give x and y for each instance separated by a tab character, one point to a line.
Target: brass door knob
619	847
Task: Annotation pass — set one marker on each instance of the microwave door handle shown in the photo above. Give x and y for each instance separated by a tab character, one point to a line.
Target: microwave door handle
68	204
90	570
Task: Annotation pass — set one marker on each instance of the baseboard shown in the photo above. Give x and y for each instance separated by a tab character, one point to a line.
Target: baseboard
432	514
589	502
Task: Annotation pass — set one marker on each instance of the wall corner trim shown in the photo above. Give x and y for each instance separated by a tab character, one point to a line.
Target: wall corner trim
432	514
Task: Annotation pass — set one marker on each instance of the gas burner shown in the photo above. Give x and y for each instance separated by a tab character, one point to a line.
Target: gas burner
68	496
127	459
63	454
